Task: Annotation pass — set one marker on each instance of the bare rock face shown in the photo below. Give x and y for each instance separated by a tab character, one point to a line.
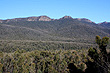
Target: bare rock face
32	19
66	17
40	18
1	21
84	19
44	18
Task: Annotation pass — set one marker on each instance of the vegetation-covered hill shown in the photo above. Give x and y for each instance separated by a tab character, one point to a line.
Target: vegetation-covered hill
45	45
65	28
43	28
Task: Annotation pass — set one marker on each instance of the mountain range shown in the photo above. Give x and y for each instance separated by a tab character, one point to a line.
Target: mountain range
42	18
43	28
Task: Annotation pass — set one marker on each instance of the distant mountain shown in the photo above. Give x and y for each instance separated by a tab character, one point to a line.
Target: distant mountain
105	24
44	28
39	18
43	18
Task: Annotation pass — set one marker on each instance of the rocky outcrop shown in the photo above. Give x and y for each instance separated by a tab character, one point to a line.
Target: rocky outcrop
1	21
84	20
66	17
45	18
39	18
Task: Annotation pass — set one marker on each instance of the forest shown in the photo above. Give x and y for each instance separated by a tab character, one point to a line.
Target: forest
90	60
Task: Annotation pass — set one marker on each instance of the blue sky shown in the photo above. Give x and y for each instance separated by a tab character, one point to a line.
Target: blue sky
95	10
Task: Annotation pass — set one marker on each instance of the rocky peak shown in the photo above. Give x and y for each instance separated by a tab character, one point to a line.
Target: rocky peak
66	17
84	20
44	18
104	23
39	18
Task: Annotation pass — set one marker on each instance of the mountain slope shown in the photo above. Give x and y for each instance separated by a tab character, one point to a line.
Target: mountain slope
105	24
44	28
11	32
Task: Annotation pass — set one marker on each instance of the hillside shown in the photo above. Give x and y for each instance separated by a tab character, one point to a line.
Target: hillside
105	24
43	28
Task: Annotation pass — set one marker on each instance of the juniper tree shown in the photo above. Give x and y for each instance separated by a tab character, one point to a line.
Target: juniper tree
101	63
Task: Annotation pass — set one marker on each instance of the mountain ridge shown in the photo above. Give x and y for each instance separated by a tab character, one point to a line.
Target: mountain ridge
46	18
78	32
45	28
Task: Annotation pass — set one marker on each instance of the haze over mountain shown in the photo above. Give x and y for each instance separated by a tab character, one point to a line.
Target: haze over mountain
43	28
